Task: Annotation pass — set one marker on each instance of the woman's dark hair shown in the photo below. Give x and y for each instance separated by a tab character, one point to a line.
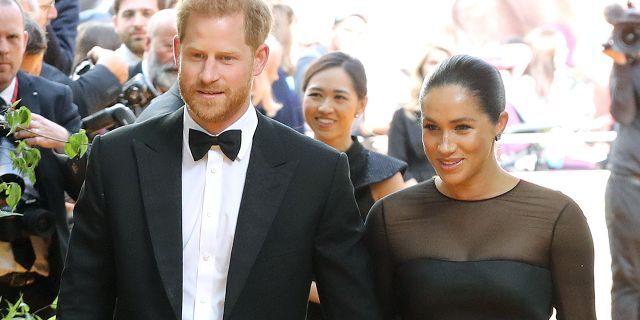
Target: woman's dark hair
480	78
352	66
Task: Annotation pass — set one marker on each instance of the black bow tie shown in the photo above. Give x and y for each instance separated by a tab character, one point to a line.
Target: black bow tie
229	142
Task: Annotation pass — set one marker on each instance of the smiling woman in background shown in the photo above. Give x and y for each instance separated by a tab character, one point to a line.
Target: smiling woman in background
475	242
335	93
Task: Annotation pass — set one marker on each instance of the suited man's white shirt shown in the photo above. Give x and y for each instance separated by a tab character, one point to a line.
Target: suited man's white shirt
211	193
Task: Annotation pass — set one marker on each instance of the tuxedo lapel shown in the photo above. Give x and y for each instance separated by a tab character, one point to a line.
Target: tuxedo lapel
159	162
267	179
27	93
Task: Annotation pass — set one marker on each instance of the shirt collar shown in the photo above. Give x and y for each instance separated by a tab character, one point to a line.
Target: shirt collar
247	124
7	93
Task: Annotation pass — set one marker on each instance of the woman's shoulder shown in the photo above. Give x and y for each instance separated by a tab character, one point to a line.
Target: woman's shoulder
369	167
540	194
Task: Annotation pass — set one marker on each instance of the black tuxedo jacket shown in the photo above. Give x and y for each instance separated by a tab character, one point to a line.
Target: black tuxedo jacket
297	217
52	101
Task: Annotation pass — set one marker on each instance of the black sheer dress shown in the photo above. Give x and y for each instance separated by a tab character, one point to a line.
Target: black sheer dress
514	256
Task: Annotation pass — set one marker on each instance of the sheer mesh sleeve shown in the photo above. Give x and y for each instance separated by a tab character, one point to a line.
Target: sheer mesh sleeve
571	265
376	238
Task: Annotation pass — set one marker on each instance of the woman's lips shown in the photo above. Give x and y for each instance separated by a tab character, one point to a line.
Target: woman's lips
450	164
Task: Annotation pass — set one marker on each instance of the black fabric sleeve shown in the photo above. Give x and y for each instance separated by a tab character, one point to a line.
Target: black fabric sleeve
61	35
341	262
383	269
397	146
571	266
88	290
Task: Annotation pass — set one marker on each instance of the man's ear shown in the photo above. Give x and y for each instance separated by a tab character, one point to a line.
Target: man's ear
260	59
25	40
176	50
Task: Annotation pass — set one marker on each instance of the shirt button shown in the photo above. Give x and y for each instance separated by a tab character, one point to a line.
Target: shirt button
213	171
205	258
203	301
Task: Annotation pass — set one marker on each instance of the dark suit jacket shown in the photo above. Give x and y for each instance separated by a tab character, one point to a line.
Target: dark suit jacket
61	35
52	101
297	217
93	91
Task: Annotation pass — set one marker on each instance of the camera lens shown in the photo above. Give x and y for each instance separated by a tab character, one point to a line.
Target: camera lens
629	35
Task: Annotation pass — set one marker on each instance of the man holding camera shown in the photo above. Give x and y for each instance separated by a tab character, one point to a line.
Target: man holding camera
157	71
622	197
30	256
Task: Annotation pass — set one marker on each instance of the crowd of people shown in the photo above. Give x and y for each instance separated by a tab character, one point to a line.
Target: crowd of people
251	185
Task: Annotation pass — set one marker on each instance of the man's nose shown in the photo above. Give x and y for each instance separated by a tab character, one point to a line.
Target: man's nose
53	13
4	46
209	72
139	20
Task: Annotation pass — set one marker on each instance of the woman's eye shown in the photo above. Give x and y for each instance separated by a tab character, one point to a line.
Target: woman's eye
430	127
462	127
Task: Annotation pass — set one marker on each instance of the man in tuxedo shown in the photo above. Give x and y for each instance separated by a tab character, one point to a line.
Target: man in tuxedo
31	262
215	211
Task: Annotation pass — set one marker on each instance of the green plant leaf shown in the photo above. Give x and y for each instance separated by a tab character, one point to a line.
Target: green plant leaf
77	144
14	193
24	116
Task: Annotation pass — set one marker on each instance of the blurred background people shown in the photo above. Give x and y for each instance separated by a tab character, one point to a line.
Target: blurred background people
95	89
158	68
130	18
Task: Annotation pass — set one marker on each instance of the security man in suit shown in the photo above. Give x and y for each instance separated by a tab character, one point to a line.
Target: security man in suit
31	262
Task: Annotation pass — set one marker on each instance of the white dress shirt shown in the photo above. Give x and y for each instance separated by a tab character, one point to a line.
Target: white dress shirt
211	193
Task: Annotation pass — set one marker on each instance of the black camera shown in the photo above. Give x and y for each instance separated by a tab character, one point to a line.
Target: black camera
136	93
625	37
34	220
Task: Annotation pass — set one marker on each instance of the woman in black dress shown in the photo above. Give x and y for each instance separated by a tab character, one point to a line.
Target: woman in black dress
405	129
475	242
335	93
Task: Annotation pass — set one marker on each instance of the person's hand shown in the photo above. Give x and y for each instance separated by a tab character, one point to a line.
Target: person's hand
617	56
111	60
43	133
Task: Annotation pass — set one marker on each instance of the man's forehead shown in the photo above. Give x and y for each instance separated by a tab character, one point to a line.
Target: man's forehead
138	4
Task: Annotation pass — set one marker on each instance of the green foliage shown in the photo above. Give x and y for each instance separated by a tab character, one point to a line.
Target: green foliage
77	144
21	311
25	159
16	118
